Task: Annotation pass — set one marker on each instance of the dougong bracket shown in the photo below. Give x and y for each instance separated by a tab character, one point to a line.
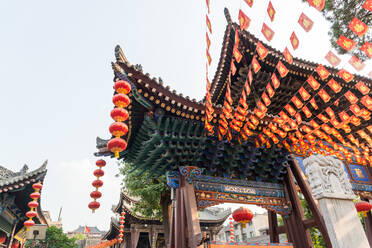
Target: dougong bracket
191	172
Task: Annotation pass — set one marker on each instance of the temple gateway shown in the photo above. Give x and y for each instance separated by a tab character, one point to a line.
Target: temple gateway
256	145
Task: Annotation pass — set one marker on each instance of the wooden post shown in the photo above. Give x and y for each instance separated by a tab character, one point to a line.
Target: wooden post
12	235
191	211
273	227
134	236
301	236
314	208
180	228
172	234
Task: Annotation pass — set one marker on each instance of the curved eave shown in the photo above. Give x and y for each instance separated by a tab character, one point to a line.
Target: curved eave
14	183
112	232
299	67
123	196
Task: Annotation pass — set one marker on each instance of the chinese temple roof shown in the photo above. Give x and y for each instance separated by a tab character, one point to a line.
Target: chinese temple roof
10	180
208	217
81	229
15	188
166	129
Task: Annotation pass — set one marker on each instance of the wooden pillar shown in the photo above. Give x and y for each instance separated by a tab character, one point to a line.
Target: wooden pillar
134	236
273	227
180	228
192	220
301	236
288	229
12	235
368	224
172	232
314	208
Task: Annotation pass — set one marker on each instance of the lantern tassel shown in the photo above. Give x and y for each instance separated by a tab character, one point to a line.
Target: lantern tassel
116	154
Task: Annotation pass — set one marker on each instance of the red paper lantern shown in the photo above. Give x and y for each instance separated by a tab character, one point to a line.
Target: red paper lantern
120	240
2	238
33	204
31	214
29	223
116	145
95	195
101	163
119	114
121	100
122	87
97	183
15	244
363	207
35	195
242	215
94	205
37	186
99	173
118	129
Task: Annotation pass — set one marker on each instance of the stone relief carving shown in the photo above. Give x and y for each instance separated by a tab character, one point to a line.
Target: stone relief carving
327	177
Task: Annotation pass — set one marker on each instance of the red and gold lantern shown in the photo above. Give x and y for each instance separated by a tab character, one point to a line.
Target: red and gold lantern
118	129
363	207
242	215
94	205
101	163
122	87
33	205
121	100
2	237
95	195
116	145
119	114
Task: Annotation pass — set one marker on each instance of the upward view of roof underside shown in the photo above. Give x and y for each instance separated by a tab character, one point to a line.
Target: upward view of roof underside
166	129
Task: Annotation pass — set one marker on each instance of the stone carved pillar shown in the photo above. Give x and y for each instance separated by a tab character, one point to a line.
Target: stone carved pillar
331	187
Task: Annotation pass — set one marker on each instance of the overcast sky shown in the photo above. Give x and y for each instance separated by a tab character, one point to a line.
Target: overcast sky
56	78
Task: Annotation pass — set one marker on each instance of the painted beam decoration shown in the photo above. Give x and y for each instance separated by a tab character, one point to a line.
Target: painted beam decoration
211	190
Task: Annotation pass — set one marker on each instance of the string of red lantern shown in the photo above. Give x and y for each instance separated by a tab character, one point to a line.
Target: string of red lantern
33	205
121	228
208	103
97	184
232	235
104	244
119	114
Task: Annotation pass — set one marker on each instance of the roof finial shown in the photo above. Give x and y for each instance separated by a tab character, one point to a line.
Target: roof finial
227	15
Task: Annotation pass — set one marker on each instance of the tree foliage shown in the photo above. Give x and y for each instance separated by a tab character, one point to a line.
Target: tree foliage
55	238
339	13
149	189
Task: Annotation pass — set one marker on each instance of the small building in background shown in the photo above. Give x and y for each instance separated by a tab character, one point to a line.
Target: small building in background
50	222
149	232
86	235
255	231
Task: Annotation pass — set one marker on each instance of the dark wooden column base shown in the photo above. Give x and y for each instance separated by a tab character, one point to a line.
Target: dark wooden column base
273	227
